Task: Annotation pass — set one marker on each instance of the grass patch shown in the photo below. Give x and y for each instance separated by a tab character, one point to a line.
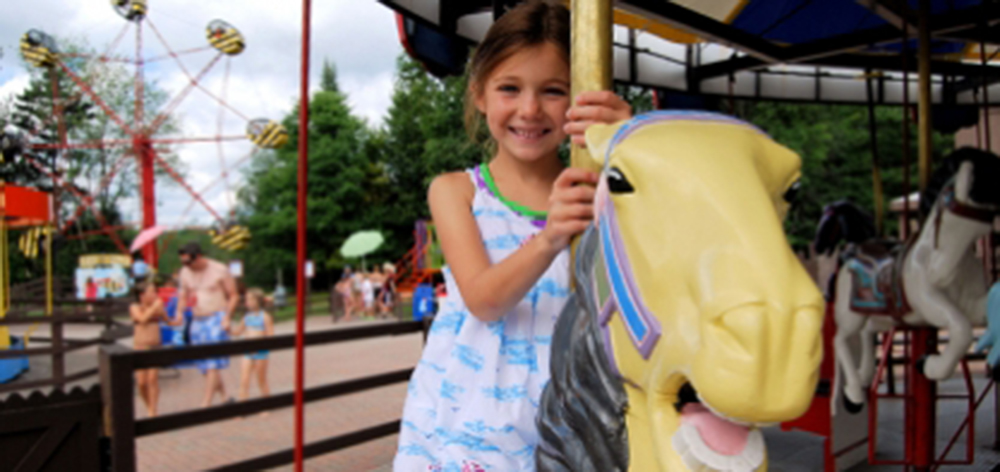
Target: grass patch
317	304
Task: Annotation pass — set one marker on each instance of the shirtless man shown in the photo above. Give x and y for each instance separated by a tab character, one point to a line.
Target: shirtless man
215	300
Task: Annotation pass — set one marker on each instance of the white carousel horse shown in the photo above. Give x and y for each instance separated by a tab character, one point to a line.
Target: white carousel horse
934	280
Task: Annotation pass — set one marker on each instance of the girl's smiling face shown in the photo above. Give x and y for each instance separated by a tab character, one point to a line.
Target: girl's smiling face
525	101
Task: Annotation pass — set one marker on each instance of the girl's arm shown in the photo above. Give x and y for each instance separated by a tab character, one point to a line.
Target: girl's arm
135	312
488	290
141	314
238	328
268	324
155	311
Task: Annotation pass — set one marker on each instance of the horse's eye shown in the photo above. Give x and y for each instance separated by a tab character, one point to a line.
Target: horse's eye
792	193
617	182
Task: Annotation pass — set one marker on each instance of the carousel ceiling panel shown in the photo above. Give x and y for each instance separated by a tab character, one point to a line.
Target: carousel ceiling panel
745	47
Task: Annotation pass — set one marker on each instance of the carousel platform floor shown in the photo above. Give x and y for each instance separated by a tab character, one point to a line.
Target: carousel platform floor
803	452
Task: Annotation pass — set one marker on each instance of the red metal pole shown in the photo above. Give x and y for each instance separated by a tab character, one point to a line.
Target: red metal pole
144	153
924	401
300	275
139	78
146	162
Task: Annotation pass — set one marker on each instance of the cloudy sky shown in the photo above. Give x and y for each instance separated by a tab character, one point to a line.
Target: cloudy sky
359	36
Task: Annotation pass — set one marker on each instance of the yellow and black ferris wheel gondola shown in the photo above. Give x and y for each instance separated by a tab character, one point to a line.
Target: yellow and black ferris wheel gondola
231	237
267	133
132	10
225	37
38	48
31	243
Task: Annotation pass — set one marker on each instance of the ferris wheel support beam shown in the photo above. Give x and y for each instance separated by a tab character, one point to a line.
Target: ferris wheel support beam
140	99
85	145
180	180
96	98
84	199
205	189
218	144
188	74
57	108
209	139
178	53
162	117
146	155
105	181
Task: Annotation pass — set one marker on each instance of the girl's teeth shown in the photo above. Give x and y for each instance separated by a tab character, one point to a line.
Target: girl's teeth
529	135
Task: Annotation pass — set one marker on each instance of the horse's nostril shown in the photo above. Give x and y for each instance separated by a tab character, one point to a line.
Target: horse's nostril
738	330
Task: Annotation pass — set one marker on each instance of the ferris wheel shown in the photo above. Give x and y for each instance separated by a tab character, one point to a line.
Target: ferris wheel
142	138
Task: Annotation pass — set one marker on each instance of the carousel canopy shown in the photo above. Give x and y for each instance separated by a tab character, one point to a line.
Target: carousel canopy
803	50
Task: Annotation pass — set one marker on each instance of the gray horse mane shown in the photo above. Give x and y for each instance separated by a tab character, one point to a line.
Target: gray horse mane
581	419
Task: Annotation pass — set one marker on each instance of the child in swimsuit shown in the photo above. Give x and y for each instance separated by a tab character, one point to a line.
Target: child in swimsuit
146	314
255	324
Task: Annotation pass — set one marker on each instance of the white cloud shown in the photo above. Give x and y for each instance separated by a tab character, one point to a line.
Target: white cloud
13	86
359	36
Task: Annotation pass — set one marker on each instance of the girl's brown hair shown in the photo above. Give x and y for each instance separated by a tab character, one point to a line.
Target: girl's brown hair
141	287
259	295
532	23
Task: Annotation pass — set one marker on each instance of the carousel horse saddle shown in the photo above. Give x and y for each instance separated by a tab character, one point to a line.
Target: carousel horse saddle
876	270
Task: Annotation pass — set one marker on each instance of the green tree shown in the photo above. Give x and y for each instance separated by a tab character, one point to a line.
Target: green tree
339	174
424	136
328	78
835	145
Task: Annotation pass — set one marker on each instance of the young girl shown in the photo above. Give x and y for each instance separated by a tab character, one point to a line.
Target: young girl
387	296
504	229
368	294
343	288
255	324
146	314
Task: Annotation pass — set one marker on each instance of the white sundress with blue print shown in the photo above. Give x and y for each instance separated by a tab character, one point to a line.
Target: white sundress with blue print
473	397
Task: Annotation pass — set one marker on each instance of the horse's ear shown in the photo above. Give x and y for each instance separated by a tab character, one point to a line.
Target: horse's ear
598	137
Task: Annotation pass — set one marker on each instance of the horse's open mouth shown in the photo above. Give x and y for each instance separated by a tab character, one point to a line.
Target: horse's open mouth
708	441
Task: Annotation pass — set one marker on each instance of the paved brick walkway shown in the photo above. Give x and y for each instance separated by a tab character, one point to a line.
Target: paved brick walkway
233	440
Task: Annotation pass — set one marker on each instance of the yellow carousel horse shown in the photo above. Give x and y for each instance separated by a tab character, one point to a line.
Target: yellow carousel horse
693	322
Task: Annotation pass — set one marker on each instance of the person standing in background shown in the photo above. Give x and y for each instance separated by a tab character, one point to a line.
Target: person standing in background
216	298
140	270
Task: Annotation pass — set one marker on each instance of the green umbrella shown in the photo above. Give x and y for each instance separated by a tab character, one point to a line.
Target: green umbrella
361	244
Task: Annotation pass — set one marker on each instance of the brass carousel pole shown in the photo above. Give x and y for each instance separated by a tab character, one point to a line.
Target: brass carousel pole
590	59
924	93
590	67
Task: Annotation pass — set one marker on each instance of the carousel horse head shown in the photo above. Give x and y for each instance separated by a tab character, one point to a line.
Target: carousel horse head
959	205
694	321
843	221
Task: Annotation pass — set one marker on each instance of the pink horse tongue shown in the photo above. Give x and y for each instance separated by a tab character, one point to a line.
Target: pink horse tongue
718	434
